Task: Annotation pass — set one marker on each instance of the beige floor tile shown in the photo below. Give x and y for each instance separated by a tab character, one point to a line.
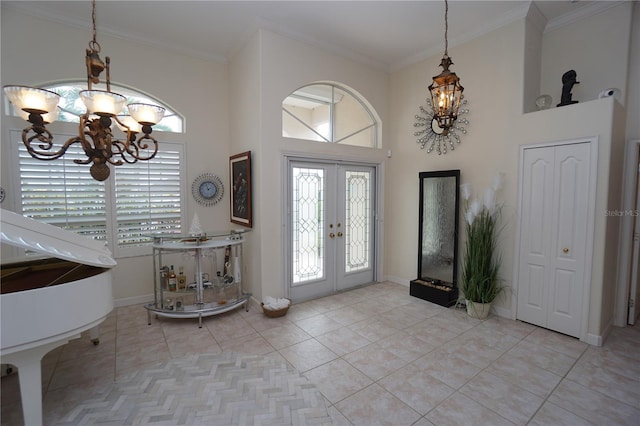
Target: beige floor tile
420	308
307	355
454	320
375	406
618	362
337	380
348	315
318	324
285	335
185	344
448	368
517	329
525	374
461	410
337	419
343	341
416	388
405	346
474	351
558	342
543	357
505	398
374	361
253	344
418	352
590	404
373	329
432	334
551	414
607	381
93	369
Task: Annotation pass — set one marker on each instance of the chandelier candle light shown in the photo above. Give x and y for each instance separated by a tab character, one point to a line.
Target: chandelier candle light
446	91
39	107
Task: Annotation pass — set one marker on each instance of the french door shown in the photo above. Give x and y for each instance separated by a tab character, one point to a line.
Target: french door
330	227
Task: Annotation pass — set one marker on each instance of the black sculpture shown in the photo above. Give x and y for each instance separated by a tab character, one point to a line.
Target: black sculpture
568	80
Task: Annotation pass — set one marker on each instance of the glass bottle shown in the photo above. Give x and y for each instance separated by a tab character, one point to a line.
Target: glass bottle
173	281
182	279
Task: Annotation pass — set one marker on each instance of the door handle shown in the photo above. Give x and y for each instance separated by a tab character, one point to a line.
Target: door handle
565	250
332	235
339	234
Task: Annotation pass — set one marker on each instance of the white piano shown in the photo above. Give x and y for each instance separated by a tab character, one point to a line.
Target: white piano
46	302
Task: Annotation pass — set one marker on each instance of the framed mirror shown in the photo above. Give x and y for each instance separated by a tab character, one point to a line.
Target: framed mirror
438	223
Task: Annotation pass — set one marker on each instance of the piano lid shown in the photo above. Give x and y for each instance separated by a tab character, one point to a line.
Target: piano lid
30	234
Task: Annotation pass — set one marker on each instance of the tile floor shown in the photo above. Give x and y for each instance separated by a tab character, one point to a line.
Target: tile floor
379	356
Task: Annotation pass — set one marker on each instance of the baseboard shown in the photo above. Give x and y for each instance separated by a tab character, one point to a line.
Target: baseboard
136	300
397	280
598	340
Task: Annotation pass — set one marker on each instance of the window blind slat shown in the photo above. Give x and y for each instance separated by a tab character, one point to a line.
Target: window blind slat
148	195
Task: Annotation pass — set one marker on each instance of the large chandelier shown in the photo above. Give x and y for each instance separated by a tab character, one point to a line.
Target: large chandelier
95	136
446	91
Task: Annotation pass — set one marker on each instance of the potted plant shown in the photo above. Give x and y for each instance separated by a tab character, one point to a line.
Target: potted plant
481	282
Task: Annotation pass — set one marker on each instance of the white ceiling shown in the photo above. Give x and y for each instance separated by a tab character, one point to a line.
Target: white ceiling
383	34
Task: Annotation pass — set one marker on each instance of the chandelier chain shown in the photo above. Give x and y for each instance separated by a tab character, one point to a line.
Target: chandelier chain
446	27
93	44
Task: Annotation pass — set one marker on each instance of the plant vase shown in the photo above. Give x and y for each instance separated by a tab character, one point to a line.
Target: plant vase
478	310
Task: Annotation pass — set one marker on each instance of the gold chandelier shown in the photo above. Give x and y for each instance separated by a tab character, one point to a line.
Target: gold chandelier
446	91
94	136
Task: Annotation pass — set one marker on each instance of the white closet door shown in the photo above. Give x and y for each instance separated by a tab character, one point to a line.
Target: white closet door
535	243
569	235
553	239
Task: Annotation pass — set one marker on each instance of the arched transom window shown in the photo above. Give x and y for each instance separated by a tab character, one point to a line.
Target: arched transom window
326	112
71	106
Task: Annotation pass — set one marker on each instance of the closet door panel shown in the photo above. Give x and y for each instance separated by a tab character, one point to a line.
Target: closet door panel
535	244
570	231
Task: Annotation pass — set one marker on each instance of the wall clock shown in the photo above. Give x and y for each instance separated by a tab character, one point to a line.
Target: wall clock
207	189
432	136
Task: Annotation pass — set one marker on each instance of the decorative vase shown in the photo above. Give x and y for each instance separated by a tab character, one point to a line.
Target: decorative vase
478	310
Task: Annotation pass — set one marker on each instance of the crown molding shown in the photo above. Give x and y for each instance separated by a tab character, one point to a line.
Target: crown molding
500	21
31	10
581	13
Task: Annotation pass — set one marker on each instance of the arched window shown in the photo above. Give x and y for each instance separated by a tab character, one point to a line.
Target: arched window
71	106
147	197
327	112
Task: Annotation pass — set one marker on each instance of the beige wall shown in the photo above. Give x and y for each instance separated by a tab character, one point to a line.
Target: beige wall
597	48
488	147
492	70
235	108
36	51
283	66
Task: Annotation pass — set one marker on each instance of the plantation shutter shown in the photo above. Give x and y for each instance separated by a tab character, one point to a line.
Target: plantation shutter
148	196
61	192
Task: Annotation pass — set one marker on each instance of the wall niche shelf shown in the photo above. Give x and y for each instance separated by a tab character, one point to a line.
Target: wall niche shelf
210	292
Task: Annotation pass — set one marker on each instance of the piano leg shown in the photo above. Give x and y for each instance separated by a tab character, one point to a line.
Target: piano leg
30	377
94	335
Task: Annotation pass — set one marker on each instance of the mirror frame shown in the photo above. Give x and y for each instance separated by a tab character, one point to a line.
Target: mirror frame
437	174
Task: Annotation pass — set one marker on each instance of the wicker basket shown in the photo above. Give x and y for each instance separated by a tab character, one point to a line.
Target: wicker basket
277	313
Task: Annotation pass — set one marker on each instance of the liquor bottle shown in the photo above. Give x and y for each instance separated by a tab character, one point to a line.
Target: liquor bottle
173	281
182	279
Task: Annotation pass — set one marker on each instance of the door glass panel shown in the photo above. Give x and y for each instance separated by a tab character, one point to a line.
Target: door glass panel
308	224
357	220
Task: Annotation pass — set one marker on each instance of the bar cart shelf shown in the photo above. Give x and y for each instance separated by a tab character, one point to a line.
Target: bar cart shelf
210	293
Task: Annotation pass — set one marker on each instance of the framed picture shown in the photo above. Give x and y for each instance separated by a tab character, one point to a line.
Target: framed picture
240	170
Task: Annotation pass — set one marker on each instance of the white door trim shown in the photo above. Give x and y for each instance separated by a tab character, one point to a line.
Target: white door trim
632	151
290	156
593	175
